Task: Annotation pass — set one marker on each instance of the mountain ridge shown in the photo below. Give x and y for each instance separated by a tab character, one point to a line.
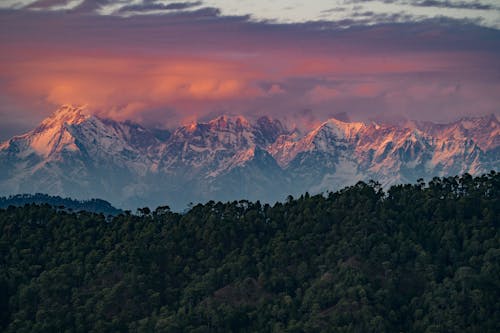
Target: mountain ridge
74	153
92	205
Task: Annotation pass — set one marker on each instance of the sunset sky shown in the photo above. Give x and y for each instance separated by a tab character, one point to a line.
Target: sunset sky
164	63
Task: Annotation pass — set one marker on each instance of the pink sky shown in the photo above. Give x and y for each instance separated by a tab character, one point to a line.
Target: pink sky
170	69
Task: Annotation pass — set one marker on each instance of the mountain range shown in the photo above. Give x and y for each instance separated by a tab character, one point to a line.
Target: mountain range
73	153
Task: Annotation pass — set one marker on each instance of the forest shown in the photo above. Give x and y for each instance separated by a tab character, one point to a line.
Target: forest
422	257
93	205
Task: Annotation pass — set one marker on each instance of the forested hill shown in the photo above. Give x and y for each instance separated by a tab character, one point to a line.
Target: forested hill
92	205
419	258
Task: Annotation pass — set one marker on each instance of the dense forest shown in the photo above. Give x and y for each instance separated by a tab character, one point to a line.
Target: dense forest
423	257
92	205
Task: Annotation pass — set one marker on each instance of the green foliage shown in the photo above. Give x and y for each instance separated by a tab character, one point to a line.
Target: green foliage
419	258
93	205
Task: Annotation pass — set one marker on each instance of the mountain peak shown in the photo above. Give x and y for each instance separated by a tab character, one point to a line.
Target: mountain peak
52	132
486	117
342	123
66	114
266	121
72	152
339	128
225	121
478	122
270	128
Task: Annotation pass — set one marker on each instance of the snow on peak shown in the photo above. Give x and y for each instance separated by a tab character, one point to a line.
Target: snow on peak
341	129
66	114
53	135
224	123
238	159
71	147
485	131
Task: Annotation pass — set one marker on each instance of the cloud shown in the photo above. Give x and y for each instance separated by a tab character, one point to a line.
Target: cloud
276	89
453	4
92	6
195	64
346	13
108	84
119	7
321	93
155	6
47	4
345	90
474	5
368	89
183	5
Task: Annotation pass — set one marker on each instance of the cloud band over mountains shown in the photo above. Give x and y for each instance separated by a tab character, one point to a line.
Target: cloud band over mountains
191	61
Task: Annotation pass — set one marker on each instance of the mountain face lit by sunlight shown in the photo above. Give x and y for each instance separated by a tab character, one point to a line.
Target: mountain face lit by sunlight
200	100
164	63
75	154
249	165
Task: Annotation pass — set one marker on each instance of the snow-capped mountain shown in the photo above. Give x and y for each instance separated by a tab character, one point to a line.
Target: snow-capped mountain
78	155
74	153
210	148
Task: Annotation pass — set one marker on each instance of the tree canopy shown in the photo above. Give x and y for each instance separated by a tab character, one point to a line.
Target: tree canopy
417	258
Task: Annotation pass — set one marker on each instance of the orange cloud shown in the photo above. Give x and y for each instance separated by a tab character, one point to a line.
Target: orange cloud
368	89
182	87
276	89
321	94
134	83
169	68
373	64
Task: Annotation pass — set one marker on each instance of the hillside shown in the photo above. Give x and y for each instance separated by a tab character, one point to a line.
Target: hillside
93	205
417	258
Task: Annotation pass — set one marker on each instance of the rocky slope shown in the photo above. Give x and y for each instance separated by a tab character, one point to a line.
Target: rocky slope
75	154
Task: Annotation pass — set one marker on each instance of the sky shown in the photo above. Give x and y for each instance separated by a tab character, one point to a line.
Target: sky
166	63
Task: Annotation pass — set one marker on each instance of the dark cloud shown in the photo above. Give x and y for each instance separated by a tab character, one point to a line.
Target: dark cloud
382	65
453	4
183	5
342	116
355	2
206	12
364	14
46	4
334	10
191	30
360	18
153	5
92	6
473	5
86	6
